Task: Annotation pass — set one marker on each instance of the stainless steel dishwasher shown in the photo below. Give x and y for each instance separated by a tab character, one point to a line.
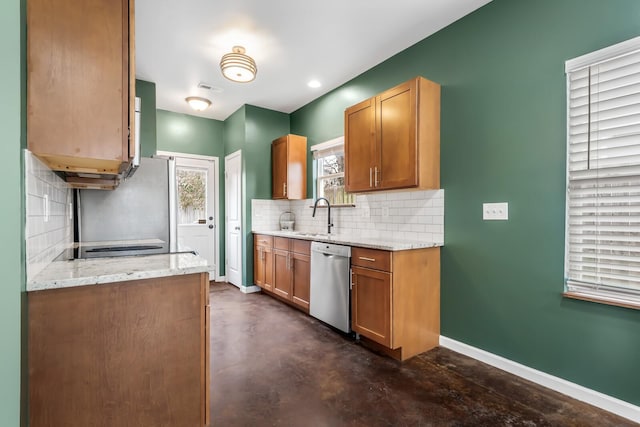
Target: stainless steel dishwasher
330	294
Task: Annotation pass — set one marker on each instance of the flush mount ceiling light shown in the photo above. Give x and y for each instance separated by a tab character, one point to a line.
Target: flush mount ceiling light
314	84
198	103
238	66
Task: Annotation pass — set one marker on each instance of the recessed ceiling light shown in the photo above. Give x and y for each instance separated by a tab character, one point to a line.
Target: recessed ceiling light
314	84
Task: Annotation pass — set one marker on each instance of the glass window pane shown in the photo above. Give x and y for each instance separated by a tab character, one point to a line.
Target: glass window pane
332	164
192	195
333	190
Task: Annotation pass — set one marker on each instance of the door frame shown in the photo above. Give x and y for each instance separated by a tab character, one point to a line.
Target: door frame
216	195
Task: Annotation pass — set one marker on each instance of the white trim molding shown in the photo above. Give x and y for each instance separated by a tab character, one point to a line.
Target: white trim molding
249	289
578	392
608	52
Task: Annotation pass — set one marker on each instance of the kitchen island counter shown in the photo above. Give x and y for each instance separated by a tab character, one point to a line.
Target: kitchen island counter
83	272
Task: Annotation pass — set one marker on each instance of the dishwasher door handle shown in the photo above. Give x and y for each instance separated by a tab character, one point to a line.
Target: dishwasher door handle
328	255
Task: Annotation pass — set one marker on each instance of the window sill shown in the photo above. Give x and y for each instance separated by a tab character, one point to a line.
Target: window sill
334	206
601	300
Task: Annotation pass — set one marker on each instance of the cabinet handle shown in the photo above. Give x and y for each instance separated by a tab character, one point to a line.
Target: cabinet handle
375	175
370	178
364	258
284	188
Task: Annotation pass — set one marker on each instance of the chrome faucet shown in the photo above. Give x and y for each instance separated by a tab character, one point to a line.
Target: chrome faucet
315	205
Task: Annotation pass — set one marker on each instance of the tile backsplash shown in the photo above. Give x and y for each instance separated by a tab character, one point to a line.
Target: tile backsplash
49	227
406	215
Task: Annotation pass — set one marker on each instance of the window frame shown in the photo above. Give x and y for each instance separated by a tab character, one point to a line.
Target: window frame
602	292
333	146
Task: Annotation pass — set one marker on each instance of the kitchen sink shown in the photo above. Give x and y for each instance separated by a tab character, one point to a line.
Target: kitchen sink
304	234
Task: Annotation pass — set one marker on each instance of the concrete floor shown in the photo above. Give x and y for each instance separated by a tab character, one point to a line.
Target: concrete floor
275	366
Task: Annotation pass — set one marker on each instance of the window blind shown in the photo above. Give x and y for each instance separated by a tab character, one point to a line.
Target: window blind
603	173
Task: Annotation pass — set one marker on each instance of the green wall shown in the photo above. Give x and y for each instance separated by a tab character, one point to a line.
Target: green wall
147	93
252	129
503	139
12	265
183	133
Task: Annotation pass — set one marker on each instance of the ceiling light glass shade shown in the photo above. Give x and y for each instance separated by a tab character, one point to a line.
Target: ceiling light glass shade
237	66
197	103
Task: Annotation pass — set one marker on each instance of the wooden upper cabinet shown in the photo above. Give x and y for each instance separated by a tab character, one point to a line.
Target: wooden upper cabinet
80	84
392	140
360	121
289	167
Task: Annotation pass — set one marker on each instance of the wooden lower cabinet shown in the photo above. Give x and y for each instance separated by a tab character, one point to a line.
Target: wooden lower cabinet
395	299
132	353
282	268
301	279
282	273
371	304
263	261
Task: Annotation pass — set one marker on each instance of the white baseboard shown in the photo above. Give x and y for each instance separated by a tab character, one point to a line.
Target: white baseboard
250	289
221	278
578	392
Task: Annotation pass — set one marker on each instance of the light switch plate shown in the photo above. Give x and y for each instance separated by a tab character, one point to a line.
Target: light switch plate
495	211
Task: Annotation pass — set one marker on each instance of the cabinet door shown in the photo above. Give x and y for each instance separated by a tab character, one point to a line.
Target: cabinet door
371	304
359	145
258	266
396	164
301	276
267	259
78	83
279	168
282	273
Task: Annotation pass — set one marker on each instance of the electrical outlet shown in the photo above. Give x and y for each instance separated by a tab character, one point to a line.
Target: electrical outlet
366	212
495	211
385	211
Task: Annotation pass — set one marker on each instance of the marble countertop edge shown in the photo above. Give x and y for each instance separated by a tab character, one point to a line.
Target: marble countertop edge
65	274
364	242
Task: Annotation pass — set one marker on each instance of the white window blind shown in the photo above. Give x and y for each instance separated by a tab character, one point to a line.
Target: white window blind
603	172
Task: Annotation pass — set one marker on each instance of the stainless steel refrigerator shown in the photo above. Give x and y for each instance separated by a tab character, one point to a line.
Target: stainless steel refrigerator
142	208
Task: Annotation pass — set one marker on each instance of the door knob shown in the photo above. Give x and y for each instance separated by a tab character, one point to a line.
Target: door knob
210	225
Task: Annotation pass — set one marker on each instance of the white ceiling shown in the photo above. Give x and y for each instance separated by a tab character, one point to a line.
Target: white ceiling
180	43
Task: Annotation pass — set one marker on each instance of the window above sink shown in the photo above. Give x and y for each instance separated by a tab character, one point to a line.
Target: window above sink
329	163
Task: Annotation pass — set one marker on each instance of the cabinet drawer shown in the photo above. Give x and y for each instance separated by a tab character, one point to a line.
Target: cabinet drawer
371	258
263	240
281	243
301	246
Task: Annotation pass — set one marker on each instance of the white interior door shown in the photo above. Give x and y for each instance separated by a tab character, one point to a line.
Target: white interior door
196	208
233	204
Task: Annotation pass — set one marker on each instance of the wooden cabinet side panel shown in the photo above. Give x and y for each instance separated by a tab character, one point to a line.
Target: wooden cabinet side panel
359	145
416	300
77	100
205	343
371	304
429	133
117	354
397	145
301	289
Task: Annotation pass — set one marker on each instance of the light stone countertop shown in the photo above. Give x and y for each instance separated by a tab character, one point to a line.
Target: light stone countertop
95	271
344	239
